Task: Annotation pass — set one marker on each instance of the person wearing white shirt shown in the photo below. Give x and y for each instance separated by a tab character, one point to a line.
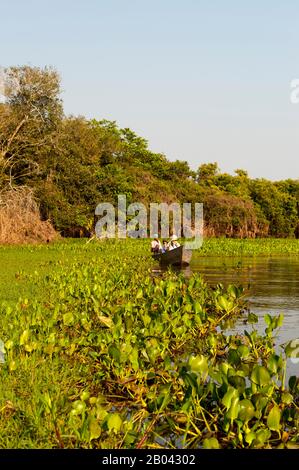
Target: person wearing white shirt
156	246
173	243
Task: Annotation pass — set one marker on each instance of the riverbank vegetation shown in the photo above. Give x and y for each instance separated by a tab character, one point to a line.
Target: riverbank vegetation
73	163
125	358
22	265
249	247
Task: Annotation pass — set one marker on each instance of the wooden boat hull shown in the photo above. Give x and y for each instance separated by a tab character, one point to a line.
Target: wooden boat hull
177	257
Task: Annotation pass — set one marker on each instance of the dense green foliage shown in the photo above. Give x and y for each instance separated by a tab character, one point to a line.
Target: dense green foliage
257	247
74	163
120	358
22	265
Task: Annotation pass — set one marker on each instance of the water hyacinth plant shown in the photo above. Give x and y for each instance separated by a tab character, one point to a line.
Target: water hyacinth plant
113	356
249	247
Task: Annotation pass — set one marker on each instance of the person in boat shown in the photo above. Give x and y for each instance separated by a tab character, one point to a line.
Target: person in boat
164	246
156	246
173	243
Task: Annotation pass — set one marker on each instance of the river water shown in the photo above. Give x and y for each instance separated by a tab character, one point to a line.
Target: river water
271	286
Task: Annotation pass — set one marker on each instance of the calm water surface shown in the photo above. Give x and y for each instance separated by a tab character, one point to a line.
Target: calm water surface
271	286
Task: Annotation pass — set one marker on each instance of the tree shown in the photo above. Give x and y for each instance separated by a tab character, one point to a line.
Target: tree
28	118
206	172
279	208
71	164
241	173
180	169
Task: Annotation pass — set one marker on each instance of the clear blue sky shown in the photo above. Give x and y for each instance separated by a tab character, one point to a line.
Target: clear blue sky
201	80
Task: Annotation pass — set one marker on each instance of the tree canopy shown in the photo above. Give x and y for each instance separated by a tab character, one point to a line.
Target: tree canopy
72	163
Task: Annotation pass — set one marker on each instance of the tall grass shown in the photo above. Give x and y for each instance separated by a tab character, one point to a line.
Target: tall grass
20	220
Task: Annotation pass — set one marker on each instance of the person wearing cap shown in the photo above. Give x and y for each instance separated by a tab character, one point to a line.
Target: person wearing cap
156	246
173	243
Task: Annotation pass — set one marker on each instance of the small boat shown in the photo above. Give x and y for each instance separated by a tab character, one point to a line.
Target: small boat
177	257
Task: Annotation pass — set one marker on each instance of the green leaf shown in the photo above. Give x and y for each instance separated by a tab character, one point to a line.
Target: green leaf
237	382
224	367
292	382
292	349
260	401
114	353
78	407
252	318
84	395
68	318
228	397
243	351
114	422
260	375
268	319
292	445
263	435
163	399
12	365
211	443
146	319
131	437
279	320
199	364
246	410
24	337
94	429
273	420
249	437
233	357
8	344
234	409
133	357
101	413
224	304
273	363
105	320
139	294
197	307
287	398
